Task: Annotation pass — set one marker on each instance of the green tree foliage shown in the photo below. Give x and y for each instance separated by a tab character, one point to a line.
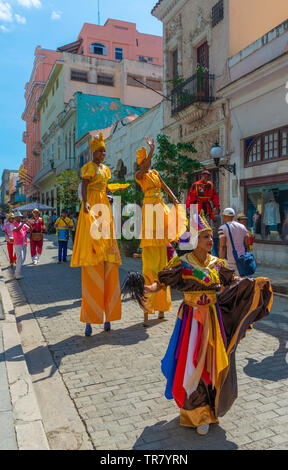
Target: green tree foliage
174	163
67	183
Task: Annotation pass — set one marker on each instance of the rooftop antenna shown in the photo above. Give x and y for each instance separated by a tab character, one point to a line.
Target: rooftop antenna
98	12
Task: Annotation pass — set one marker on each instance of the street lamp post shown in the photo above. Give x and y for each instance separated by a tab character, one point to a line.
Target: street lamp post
217	153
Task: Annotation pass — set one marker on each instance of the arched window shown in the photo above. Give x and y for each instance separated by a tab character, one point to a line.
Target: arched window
254	151
99	49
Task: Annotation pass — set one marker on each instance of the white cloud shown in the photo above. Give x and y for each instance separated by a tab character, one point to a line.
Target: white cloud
30	3
4	29
56	15
20	19
5	12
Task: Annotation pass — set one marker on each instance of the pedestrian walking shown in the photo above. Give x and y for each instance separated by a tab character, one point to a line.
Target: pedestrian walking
7	228
36	235
243	219
218	309
63	225
75	222
20	242
239	235
216	223
97	255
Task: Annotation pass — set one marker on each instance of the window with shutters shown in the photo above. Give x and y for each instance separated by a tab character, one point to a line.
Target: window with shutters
98	49
132	82
79	76
107	80
217	13
266	147
118	53
153	83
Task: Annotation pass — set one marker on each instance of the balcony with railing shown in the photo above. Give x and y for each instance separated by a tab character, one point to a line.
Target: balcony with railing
25	137
198	88
36	149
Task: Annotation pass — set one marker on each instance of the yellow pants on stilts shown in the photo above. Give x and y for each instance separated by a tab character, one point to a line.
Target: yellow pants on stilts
154	260
100	293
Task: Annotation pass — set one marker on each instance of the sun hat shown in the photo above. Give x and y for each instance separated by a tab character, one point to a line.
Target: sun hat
229	211
242	216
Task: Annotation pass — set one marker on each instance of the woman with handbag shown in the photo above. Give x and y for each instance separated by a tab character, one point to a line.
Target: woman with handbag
36	236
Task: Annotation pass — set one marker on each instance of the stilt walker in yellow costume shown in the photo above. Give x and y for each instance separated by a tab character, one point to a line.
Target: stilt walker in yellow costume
154	248
98	255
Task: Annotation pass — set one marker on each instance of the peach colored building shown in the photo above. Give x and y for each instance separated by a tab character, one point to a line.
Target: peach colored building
114	41
117	40
43	63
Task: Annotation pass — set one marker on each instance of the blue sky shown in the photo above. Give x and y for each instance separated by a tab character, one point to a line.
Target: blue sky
25	24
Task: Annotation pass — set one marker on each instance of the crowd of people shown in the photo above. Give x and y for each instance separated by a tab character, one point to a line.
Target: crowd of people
19	230
219	303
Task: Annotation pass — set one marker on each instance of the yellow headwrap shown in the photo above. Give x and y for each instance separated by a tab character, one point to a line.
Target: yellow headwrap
97	143
141	155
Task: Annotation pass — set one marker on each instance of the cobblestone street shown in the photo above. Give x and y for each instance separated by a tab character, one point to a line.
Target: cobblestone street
114	381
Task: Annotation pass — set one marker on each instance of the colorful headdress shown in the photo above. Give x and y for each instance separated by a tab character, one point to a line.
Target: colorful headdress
141	155
97	143
198	224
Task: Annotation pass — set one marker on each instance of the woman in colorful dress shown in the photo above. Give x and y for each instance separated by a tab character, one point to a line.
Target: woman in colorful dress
36	236
154	248
95	248
217	310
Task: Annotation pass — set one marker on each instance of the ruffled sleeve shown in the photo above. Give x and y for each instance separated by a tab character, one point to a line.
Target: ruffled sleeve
88	171
226	276
108	173
171	275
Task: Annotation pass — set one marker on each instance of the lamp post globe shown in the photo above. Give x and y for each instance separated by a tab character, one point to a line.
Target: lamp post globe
216	153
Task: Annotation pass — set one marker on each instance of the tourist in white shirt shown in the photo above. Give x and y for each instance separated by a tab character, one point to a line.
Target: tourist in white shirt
240	238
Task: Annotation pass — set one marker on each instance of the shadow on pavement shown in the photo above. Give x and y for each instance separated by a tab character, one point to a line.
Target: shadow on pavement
274	367
39	360
175	437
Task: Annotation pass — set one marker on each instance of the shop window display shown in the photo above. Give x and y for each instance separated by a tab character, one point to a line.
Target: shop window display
267	211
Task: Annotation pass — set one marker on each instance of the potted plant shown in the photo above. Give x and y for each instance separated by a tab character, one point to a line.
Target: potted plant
202	81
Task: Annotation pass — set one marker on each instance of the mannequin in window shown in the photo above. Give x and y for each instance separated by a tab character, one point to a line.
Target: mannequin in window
271	211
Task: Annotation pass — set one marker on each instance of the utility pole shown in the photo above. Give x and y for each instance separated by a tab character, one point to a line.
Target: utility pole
98	12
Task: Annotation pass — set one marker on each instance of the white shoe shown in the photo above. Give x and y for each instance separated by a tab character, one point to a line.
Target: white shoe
203	429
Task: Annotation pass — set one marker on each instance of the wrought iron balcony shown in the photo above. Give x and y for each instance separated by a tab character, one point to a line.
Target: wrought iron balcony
36	149
25	137
198	88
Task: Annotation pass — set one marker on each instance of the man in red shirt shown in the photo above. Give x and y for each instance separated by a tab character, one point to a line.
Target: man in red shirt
203	193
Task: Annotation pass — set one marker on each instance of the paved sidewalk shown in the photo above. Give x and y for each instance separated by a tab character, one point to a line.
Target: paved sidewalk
107	391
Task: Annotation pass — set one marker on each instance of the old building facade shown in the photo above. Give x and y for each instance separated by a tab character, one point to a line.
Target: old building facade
256	92
199	38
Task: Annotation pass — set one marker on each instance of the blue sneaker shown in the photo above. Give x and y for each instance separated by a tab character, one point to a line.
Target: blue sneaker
107	326
88	330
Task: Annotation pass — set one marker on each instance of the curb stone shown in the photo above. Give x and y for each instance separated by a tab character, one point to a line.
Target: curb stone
56	424
25	411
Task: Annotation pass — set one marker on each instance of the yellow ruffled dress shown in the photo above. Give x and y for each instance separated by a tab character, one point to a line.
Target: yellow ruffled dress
87	250
99	258
154	250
